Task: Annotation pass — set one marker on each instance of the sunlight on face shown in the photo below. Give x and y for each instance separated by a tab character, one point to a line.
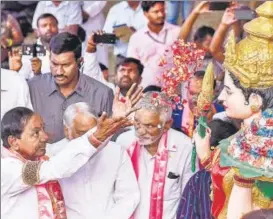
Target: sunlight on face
233	100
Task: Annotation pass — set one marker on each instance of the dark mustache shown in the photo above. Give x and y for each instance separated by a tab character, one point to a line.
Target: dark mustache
60	76
126	78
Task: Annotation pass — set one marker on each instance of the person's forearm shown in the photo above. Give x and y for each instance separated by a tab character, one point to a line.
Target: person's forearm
216	46
240	202
237	29
187	26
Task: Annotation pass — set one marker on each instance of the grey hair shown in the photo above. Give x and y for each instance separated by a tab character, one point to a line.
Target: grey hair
72	110
164	107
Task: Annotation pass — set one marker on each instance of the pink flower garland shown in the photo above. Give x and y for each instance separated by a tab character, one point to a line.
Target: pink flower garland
180	62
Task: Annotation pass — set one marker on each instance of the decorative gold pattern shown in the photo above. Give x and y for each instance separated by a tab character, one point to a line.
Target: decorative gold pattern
30	172
259	199
251	60
227	186
205	98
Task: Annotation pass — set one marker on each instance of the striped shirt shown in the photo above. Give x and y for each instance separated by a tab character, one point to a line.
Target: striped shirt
195	202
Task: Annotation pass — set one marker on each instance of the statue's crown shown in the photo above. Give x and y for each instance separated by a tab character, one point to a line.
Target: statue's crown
251	60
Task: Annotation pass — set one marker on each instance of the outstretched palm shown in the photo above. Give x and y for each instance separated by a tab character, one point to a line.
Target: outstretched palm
125	106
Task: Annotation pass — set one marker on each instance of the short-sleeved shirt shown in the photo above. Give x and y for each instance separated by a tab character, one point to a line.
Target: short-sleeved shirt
48	101
67	13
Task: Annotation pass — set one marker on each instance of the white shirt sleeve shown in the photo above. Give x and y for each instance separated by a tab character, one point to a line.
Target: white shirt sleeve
91	67
63	165
93	8
75	14
24	95
110	21
126	194
26	70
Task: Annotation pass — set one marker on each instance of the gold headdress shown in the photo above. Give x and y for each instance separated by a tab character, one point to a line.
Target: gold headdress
205	98
251	60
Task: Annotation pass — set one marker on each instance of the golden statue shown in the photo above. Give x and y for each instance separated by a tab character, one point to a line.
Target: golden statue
242	166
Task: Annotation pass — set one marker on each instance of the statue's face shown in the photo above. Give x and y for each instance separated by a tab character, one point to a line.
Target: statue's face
235	103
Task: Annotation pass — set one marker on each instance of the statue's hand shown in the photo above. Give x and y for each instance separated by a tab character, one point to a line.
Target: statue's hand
202	144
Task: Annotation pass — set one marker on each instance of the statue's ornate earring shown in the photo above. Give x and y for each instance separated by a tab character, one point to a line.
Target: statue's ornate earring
255	108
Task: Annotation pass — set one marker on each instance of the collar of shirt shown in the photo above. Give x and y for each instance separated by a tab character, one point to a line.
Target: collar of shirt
127	6
50	3
166	26
79	87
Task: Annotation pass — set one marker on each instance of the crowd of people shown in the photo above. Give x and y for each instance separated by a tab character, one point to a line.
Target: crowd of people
166	139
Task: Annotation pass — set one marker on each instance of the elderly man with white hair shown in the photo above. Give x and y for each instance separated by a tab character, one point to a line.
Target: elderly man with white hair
106	186
161	157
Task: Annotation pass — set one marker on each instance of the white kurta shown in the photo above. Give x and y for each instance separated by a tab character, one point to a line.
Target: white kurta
104	188
19	200
14	91
179	163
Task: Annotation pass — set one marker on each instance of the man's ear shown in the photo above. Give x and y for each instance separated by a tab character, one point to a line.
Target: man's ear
13	143
256	100
66	132
168	125
80	62
146	14
36	33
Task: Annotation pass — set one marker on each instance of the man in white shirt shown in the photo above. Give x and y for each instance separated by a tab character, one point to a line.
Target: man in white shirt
155	37
28	179
106	186
93	20
161	158
14	91
47	27
126	12
68	14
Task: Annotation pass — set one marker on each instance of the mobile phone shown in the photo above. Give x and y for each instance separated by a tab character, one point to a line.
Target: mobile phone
218	6
106	38
33	50
244	14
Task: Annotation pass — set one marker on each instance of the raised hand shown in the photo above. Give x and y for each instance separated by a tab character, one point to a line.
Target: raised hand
202	7
106	126
15	60
202	144
36	65
125	106
229	17
91	45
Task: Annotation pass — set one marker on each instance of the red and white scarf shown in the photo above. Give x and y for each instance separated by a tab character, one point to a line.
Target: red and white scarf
159	175
50	198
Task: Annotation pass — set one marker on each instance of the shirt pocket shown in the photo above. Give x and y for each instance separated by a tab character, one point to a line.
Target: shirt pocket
172	188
